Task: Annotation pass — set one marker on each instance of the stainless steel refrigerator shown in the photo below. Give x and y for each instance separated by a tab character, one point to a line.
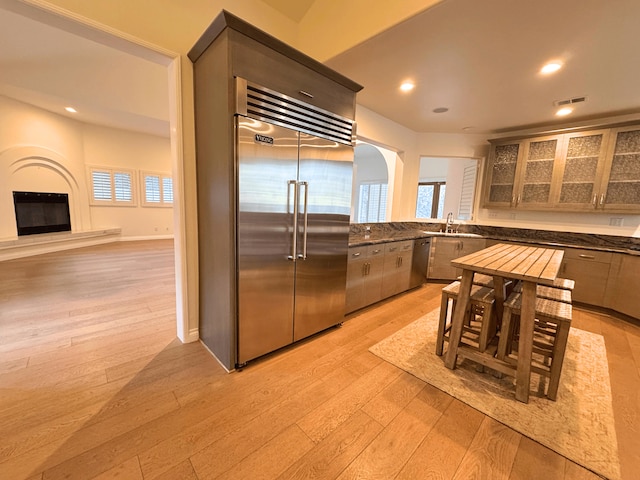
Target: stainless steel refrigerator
293	207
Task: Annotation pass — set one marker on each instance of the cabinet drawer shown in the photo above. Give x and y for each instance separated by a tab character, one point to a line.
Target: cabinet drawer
356	253
399	247
587	255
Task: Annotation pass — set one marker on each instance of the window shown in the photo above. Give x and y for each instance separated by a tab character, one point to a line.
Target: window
111	186
158	190
430	202
373	202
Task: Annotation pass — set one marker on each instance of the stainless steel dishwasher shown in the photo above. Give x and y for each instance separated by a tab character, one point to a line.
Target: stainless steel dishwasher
419	263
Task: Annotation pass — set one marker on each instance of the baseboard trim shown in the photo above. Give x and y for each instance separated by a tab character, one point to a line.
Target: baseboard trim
53	242
31	245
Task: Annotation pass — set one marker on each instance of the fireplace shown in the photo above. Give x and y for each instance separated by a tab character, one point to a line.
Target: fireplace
41	212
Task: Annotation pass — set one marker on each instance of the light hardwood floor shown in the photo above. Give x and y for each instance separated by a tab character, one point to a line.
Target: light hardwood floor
94	384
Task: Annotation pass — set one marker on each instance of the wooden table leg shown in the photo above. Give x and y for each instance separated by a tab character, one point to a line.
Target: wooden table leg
457	321
498	291
525	344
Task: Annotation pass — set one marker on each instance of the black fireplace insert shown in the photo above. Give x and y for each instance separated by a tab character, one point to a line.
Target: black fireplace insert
41	212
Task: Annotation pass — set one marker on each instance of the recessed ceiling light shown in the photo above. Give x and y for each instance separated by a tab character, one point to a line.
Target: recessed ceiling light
551	67
564	111
71	110
440	110
407	86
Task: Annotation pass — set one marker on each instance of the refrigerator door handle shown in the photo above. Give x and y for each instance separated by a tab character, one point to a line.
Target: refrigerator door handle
294	239
303	256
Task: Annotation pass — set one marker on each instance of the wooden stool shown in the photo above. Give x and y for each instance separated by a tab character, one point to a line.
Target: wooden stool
481	305
550	293
564	283
551	331
481	279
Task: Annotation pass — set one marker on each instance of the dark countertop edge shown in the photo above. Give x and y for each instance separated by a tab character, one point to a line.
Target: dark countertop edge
361	242
226	19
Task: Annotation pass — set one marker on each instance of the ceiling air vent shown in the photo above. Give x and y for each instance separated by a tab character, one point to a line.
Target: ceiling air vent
569	101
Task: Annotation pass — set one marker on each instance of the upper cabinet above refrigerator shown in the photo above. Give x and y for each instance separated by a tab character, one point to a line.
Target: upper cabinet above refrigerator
230	56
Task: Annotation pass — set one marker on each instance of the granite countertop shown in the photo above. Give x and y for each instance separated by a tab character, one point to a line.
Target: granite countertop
399	231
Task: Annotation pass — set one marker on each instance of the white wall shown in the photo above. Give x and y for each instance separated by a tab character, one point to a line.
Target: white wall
42	151
411	146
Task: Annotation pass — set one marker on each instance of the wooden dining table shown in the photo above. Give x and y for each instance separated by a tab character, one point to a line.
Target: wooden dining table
533	266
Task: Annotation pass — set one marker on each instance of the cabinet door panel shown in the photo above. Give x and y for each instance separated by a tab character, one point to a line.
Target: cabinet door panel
623	285
539	166
583	166
502	174
623	179
375	273
356	270
590	270
397	268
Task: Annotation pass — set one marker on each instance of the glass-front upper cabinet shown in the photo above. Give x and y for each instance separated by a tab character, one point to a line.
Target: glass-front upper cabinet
502	169
537	187
592	170
584	161
620	187
521	173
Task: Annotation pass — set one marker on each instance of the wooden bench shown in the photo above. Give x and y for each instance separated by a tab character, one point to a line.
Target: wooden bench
551	331
480	326
550	293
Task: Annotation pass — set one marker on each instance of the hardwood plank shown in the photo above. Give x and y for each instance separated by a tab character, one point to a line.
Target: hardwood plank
328	416
625	391
442	450
393	399
533	459
182	471
242	440
129	469
271	459
576	472
491	454
87	450
336	451
385	456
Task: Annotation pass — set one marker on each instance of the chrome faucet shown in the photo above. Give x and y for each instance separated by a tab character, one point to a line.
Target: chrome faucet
449	228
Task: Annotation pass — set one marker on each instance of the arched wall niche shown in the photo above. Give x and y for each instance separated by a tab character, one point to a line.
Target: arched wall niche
38	169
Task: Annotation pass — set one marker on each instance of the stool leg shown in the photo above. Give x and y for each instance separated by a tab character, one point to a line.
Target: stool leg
488	327
444	305
505	334
559	348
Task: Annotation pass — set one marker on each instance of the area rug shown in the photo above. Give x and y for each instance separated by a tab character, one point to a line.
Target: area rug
579	425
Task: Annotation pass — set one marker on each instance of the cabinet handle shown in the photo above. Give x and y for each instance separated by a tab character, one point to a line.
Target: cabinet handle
590	257
595	200
518	200
306	94
377	250
355	254
602	199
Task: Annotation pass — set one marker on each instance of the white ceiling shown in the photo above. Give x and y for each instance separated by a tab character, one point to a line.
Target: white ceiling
51	69
480	59
477	58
